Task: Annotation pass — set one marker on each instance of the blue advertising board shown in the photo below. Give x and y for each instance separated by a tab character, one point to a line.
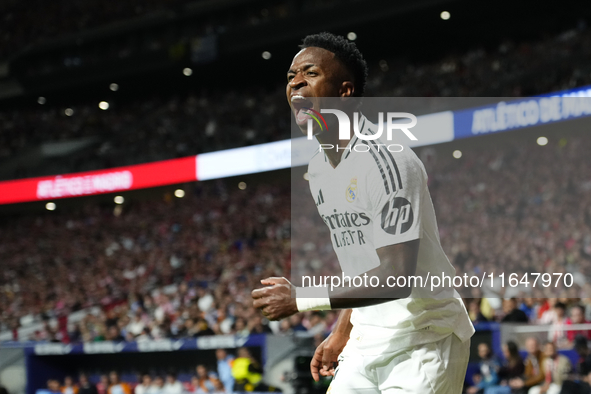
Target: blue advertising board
521	113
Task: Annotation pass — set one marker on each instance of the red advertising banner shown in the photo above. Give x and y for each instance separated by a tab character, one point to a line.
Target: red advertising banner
167	172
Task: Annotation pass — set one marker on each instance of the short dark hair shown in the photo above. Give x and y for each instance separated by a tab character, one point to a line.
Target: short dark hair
346	52
581	343
560	305
549	342
171	373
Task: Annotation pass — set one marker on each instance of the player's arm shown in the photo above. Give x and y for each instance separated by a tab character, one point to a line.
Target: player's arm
281	298
396	221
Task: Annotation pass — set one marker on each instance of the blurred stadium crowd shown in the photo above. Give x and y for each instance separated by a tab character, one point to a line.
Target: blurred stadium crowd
158	270
538	369
239	373
160	127
38	23
185	267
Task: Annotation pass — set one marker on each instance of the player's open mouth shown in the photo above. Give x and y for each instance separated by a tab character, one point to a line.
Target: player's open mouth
301	106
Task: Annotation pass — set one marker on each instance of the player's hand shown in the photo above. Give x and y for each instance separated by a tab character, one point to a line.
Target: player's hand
277	300
326	355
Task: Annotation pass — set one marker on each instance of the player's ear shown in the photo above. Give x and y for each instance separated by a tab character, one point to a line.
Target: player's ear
347	89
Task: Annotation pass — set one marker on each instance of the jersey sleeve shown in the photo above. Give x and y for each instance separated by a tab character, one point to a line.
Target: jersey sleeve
396	193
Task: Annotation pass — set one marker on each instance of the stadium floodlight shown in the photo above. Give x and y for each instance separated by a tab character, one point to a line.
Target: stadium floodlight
457	154
119	200
542	141
179	193
69	112
445	15
351	36
50	206
242	185
104	105
266	55
187	72
41	100
114	87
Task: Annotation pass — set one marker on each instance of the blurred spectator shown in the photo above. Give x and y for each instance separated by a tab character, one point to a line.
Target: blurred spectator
296	323
557	333
193	385
145	385
69	386
116	386
555	368
102	386
547	312
488	371
579	383
144	336
256	326
534	374
138	323
203	329
224	367
583	367
475	313
85	386
172	385
158	386
316	323
512	313
219	387
529	307
113	334
577	316
512	368
240	327
246	371
206	299
206	383
53	387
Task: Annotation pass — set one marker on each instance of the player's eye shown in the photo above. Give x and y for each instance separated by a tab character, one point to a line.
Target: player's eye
289	77
312	73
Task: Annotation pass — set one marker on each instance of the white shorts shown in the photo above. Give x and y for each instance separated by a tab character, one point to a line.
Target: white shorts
432	368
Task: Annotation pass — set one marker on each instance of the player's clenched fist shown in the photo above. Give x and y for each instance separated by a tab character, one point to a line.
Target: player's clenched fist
277	300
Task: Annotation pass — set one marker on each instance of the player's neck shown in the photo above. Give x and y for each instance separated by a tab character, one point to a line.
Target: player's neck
334	155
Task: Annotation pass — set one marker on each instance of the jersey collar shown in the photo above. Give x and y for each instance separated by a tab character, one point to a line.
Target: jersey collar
364	125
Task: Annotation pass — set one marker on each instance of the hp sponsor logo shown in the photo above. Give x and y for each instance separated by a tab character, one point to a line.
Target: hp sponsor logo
397	216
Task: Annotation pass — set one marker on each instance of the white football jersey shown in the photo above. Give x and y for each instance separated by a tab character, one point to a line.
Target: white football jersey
372	199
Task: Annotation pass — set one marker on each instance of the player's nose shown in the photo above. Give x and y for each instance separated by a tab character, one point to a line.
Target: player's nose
297	82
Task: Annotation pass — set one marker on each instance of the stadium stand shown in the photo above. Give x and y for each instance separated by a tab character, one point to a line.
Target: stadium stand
157	128
185	262
167	268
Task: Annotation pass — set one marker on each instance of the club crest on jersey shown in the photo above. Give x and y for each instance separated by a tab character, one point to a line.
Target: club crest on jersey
351	193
